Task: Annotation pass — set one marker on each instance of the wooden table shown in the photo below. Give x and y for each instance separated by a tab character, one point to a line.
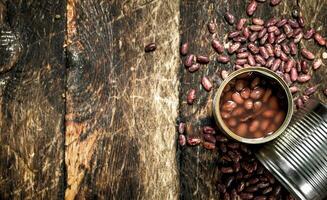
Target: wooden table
86	114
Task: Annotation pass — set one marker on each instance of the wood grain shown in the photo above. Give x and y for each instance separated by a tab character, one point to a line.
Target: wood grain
31	103
121	102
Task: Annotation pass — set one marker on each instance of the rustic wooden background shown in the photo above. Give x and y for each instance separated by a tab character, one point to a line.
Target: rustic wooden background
86	114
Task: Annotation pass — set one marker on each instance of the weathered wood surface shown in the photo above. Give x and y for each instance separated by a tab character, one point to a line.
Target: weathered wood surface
94	117
32	82
121	102
198	167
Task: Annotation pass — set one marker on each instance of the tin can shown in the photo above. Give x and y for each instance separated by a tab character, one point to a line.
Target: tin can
266	73
298	157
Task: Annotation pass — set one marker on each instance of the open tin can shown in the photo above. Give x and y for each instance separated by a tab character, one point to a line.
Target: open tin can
298	157
266	74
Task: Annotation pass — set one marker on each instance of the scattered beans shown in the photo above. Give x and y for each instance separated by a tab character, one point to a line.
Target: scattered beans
182	140
193	141
202	59
307	54
206	83
189	60
150	47
181	128
316	64
251	8
191	96
194	67
241	24
223	59
275	2
184	49
218	47
303	78
319	39
309	33
309	91
229	18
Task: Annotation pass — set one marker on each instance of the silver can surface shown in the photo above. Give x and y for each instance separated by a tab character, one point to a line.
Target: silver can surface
298	157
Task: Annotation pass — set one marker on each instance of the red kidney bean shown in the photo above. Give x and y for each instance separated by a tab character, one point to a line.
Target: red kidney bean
264	39
182	140
280	38
248	104
305	98
236	67
310	90
225	115
236	97
263	52
206	83
283	56
316	64
294	74
221	138
202	59
218	47
226	196
253	48
240	24
241	61
281	22
181	127
258	21
255	82
241	50
251	189
293	23
275	2
256	28
234	47
272	29
245	93
239	85
229	18
275	64
257	93
263	184
212	27
319	39
184	49
233	34
298	38
253	37
224	74
150	47
287	78
246	32
189	60
300	20
269	62
262	33
209	145
297	31
260	60
208	130
293	48
229	106
240	39
191	140
223	59
195	67
281	67
245	196
303	78
242	55
288	30
271	38
304	67
307	54
288	66
251	8
270	49
294	89
309	33
251	60
286	48
191	96
226	170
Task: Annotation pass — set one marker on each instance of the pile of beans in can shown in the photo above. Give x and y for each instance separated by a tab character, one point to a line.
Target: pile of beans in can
274	44
253	106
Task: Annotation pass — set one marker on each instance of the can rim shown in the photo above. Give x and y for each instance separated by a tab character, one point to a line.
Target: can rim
269	74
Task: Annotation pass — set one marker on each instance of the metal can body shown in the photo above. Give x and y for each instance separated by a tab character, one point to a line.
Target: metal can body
298	157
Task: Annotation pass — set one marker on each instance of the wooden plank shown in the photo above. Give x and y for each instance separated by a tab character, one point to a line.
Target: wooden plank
32	81
198	167
122	102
